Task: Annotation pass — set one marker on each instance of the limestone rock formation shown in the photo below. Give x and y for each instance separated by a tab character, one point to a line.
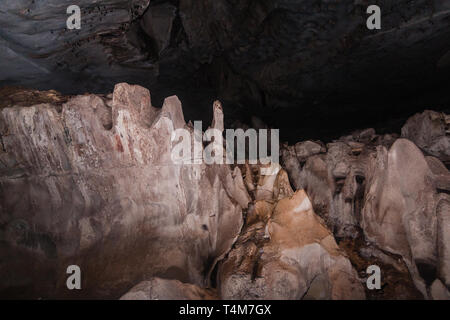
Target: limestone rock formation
273	56
35	42
165	289
400	209
286	252
334	178
91	183
385	190
90	180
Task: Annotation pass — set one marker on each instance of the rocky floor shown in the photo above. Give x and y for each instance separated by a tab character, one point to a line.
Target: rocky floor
88	180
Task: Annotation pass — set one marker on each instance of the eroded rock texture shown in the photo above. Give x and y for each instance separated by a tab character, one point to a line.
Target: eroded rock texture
89	180
286	252
164	289
430	131
386	189
36	44
262	57
92	183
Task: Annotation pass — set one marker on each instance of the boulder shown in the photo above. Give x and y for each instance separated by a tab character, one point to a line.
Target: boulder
165	289
307	148
430	131
387	189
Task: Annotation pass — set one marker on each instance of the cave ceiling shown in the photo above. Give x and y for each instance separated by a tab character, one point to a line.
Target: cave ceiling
309	67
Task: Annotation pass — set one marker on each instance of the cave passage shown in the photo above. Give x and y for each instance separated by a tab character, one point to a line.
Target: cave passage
309	68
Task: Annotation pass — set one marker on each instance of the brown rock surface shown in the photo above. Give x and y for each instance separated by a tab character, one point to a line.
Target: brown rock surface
430	131
286	252
399	211
164	289
387	189
94	185
89	180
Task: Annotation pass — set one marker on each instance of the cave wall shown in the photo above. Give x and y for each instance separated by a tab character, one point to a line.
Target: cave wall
92	183
285	61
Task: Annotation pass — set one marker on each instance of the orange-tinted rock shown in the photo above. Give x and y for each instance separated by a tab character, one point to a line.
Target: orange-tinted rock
286	252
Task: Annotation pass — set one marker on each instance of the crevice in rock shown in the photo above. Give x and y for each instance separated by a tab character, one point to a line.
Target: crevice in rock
395	284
